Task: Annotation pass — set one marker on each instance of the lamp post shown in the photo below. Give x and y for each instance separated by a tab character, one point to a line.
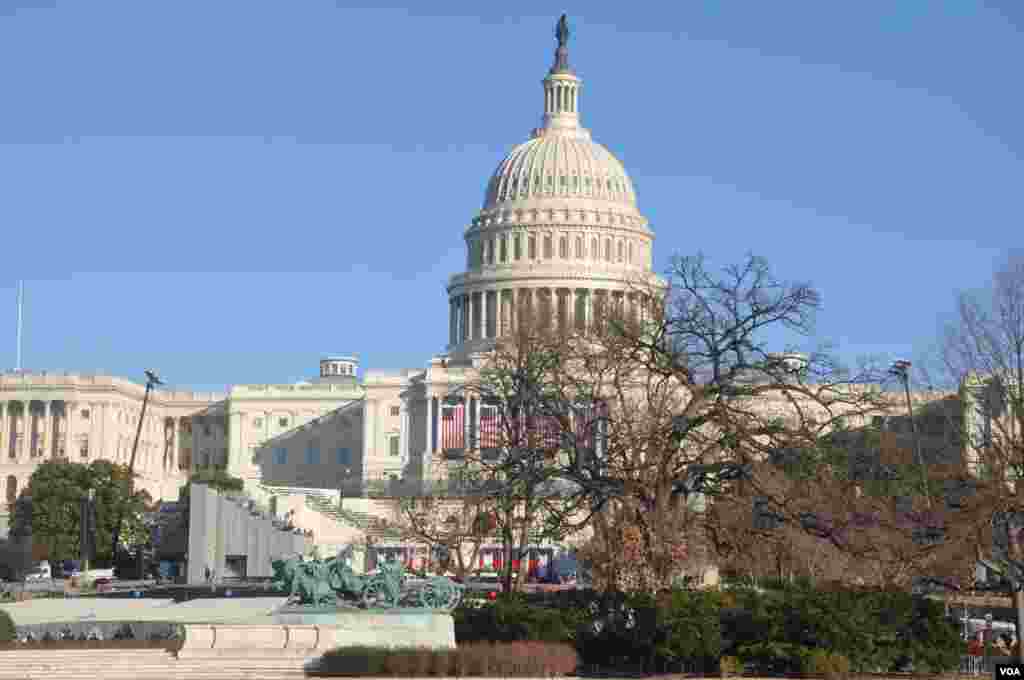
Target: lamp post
152	380
988	639
347	473
87	528
901	370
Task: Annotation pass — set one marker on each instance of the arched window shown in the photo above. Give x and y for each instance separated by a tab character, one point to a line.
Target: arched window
621	251
532	248
547	247
631	252
563	248
504	250
517	250
608	249
579	247
594	254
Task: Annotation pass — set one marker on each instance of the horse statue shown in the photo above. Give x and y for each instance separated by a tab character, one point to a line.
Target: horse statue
385	588
321	583
319	590
344	581
305	581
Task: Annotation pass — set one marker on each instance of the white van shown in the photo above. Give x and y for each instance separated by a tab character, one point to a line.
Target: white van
41	572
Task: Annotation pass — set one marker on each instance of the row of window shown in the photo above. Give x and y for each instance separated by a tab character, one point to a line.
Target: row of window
342	455
566	184
283	422
496	249
258	422
337	369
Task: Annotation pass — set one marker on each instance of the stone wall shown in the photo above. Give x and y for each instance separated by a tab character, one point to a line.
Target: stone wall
222	530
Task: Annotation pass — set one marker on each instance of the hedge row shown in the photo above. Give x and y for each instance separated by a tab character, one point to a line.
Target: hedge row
775	633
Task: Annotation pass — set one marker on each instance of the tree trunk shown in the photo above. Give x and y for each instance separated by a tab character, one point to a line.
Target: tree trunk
1018	605
524	537
506	545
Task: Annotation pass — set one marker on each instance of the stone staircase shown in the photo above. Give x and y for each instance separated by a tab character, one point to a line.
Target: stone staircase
323	502
361	520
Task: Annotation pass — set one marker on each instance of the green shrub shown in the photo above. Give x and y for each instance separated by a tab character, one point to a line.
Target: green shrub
832	666
730	666
875	631
772	657
688	630
511	619
481	659
7	630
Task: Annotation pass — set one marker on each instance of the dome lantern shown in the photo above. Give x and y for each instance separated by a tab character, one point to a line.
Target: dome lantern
561	90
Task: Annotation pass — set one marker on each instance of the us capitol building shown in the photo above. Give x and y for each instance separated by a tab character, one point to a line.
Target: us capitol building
559	236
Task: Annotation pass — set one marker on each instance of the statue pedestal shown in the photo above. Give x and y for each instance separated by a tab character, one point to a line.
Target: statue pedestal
310	633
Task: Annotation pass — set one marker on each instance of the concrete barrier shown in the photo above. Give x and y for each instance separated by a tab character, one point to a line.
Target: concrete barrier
304	640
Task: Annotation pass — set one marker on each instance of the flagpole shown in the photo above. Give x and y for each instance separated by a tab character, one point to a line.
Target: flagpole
21	303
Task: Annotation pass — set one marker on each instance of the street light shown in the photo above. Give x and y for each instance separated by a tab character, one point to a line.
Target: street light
87	527
344	486
901	370
152	380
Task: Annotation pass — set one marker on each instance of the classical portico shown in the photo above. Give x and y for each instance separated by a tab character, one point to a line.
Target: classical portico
81	418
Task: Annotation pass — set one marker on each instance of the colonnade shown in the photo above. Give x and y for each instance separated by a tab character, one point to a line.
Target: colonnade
479	315
35	430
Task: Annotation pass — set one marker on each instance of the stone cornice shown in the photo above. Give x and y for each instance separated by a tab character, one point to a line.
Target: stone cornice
538	279
579	221
81	384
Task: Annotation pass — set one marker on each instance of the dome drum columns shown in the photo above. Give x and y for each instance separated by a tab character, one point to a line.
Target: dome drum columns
489	314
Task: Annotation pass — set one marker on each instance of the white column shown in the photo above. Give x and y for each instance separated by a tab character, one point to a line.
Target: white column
46	445
99	442
483	314
26	429
573	297
452	322
458	321
504	321
69	432
235	443
175	444
403	433
588	311
4	430
513	312
466	325
430	429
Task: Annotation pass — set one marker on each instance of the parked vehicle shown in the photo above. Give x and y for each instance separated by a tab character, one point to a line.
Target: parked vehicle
485	584
40	572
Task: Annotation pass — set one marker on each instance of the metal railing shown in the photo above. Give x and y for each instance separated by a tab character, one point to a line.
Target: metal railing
981	665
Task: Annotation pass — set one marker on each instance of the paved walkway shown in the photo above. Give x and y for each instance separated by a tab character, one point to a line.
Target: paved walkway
228	610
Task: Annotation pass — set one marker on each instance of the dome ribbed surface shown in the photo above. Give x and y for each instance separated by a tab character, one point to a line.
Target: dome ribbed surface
557	166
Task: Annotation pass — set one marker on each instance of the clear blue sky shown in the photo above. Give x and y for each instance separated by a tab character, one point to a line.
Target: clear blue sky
227	190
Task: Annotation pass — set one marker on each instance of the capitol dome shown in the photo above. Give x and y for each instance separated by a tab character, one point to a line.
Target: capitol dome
559	235
559	166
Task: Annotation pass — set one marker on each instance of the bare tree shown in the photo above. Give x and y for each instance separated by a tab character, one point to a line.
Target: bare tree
450	527
982	352
653	409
